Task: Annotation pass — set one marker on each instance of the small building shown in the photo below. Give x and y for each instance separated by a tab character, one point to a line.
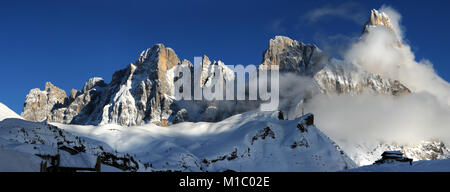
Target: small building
393	156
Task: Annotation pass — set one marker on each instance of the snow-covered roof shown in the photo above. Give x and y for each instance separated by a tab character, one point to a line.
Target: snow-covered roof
393	152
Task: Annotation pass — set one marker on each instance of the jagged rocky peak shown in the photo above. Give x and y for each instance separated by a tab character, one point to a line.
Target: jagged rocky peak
331	76
292	56
73	94
39	104
158	58
52	104
378	19
141	92
205	66
55	93
343	79
209	68
91	83
157	61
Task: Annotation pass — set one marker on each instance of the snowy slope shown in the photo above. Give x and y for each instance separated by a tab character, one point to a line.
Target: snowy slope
419	166
13	161
24	143
253	141
6	112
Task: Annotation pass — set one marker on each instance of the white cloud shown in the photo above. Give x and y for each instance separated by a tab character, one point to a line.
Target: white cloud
349	10
421	115
366	118
378	52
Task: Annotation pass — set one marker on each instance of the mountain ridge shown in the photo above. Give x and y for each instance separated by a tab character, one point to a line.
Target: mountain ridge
143	92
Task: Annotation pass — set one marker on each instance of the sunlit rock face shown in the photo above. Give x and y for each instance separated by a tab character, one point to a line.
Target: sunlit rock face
39	104
331	76
139	93
291	56
53	105
142	92
341	80
378	19
381	19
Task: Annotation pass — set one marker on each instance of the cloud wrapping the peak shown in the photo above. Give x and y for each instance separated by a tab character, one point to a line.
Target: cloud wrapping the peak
371	118
382	52
395	18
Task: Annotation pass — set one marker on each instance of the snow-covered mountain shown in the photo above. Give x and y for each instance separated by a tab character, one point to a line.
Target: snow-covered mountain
143	92
24	145
292	56
334	76
378	18
330	75
366	153
136	113
339	79
252	141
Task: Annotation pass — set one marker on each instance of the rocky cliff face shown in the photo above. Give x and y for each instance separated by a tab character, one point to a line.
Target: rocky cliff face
330	75
39	104
381	19
143	92
292	56
342	80
378	19
139	93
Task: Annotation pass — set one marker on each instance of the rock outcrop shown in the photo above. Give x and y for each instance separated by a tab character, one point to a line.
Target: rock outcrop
381	19
39	104
330	75
292	56
341	80
378	19
143	92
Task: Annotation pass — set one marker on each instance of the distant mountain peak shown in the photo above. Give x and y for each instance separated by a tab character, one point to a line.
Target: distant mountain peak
140	93
291	56
378	18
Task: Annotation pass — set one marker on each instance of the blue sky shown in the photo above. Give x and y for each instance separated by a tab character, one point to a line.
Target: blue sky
67	42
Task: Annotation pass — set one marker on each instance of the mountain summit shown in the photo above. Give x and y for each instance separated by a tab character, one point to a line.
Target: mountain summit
143	92
292	56
378	19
